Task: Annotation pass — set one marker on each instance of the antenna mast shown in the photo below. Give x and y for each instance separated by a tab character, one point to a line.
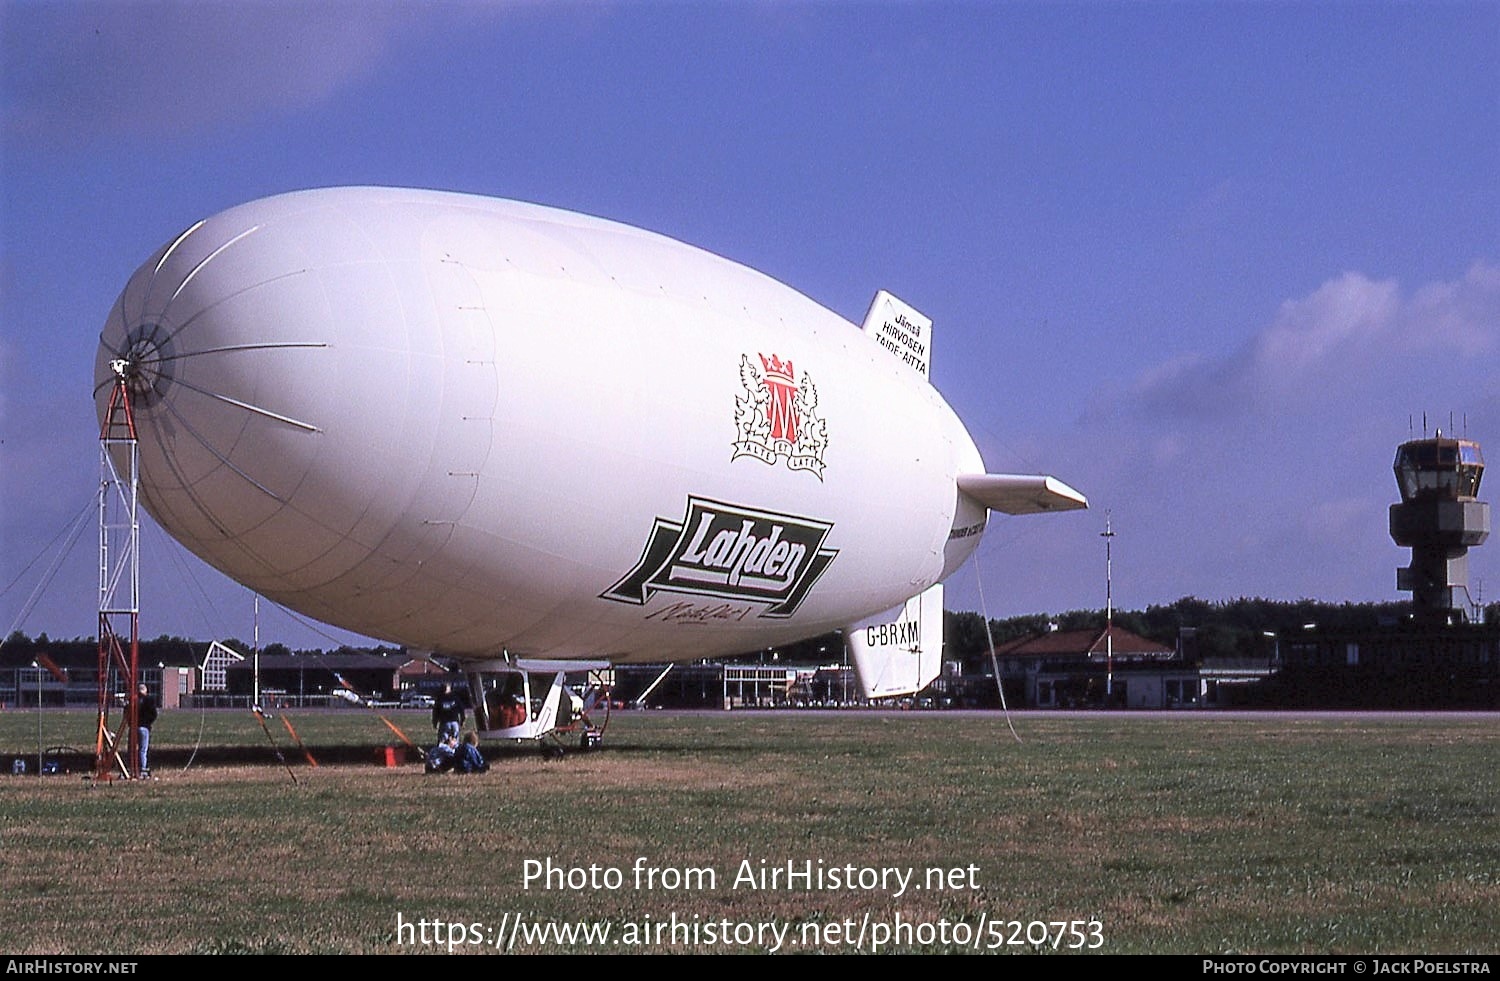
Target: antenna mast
1109	611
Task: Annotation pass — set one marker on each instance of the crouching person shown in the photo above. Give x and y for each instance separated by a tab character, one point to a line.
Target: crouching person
442	757
469	759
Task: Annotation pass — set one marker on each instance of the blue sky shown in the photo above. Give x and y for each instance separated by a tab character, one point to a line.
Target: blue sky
1207	262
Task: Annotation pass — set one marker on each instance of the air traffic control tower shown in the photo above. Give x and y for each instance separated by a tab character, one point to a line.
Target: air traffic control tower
1439	518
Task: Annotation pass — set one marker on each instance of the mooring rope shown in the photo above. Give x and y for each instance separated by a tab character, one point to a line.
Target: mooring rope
994	659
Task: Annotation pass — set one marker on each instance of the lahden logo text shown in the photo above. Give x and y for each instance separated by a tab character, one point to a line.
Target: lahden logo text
730	552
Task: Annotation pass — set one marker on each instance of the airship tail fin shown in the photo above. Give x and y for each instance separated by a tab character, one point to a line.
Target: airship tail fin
900	331
901	651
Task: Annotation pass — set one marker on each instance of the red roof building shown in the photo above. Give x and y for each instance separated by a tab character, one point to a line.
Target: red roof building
1103	668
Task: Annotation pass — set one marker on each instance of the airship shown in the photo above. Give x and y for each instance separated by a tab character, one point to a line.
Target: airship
495	431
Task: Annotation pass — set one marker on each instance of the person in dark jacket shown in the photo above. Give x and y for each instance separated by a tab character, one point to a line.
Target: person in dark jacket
448	713
145	718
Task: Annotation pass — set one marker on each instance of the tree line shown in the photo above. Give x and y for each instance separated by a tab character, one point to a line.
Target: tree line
1227	628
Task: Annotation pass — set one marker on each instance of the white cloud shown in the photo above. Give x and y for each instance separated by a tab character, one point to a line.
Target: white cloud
1332	322
1462	317
1346	336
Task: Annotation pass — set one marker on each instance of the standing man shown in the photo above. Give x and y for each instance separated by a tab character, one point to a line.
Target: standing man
448	713
145	717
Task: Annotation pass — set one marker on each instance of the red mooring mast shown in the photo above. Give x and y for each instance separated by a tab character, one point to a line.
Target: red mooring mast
119	579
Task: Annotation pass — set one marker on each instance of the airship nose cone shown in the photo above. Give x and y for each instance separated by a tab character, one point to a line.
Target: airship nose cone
217	381
255	347
142	358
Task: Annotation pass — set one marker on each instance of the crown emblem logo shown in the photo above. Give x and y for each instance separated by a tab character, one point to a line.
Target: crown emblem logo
776	419
778	371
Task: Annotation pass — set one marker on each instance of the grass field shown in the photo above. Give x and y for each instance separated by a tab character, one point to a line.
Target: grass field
1186	833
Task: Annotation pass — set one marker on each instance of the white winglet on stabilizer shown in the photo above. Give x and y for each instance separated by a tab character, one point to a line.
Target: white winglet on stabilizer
1021	493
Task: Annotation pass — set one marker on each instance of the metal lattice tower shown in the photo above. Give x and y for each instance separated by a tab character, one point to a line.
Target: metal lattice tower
119	576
